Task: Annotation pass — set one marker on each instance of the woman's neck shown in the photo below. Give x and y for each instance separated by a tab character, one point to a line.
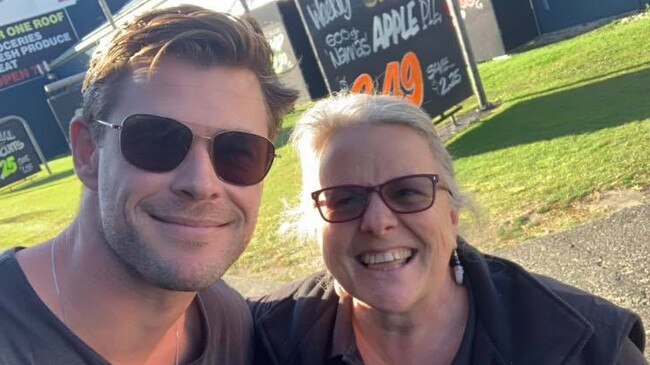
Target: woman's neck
430	334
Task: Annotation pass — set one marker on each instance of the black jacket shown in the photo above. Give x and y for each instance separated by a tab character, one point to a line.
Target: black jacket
521	318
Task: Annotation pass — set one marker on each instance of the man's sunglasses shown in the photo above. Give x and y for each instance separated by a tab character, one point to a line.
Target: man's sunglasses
405	194
158	144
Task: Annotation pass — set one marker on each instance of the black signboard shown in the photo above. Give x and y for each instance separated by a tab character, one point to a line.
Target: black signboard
24	45
64	105
406	48
18	155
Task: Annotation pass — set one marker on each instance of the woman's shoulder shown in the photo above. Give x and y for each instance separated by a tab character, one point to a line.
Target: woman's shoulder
309	294
294	320
507	293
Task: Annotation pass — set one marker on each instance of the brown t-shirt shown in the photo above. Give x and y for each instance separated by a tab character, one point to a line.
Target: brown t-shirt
31	334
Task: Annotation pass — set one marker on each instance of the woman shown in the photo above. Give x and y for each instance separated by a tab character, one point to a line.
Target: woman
402	287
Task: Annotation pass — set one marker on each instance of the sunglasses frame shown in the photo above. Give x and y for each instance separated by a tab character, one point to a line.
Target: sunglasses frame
434	178
120	127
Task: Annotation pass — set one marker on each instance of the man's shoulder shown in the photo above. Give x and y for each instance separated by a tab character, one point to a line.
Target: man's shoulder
223	292
9	267
222	297
8	255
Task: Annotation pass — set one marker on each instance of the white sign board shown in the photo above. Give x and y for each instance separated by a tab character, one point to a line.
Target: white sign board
12	11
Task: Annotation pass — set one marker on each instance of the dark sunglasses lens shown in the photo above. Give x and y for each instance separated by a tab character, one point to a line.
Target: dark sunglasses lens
154	143
409	194
242	158
342	204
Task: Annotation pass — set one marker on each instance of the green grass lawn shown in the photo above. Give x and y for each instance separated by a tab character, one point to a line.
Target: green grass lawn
573	122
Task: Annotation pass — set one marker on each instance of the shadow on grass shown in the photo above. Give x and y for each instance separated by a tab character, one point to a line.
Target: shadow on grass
585	109
44	181
600	77
25	216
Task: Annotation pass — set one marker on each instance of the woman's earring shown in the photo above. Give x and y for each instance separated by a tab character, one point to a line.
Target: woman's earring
459	271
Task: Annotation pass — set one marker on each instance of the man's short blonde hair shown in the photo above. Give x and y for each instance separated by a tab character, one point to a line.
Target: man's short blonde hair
189	33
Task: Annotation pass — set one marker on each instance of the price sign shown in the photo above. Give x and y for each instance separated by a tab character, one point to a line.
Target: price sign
18	155
403	48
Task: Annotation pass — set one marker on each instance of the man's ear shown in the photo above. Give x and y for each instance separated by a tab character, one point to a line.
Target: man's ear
84	152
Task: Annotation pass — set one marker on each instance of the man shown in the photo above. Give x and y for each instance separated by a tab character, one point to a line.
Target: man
171	147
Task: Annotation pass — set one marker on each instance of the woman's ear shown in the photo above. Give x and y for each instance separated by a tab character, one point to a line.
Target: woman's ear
84	152
454	217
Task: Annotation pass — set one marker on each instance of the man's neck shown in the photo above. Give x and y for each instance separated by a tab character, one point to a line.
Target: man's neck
114	312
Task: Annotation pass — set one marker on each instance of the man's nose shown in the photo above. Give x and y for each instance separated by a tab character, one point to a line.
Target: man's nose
196	177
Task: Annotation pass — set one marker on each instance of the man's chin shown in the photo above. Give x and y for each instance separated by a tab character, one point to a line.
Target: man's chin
184	278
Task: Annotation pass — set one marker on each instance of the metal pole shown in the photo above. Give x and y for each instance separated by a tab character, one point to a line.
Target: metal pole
245	6
466	49
313	47
107	12
532	8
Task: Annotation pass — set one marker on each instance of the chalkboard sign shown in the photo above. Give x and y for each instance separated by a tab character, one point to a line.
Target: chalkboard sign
19	157
406	48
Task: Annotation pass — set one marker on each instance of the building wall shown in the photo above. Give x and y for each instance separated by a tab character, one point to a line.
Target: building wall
555	15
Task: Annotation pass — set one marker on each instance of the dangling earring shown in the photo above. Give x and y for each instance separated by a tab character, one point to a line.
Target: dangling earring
459	271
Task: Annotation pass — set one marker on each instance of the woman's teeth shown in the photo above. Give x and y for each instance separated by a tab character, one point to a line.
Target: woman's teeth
386	256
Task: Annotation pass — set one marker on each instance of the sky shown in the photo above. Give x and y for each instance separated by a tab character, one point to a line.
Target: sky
12	11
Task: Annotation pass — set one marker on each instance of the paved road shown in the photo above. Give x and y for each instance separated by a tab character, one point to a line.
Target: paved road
609	257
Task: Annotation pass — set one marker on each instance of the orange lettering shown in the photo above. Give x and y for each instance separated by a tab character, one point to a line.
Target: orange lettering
412	78
363	84
392	80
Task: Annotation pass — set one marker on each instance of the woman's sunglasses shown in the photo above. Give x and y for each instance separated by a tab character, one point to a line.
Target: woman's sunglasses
158	144
403	195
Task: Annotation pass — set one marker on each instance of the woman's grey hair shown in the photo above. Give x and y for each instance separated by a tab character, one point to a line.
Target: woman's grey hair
314	130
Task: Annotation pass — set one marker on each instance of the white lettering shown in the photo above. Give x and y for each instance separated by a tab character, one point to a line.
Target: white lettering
443	75
394	25
428	13
9	55
6	136
8	66
10	148
45	43
325	11
343	55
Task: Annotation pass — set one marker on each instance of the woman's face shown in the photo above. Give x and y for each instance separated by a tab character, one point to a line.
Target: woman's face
415	247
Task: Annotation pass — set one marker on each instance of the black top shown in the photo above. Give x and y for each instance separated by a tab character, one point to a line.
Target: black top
31	334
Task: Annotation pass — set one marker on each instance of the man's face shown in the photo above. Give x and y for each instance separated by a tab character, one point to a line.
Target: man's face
181	230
